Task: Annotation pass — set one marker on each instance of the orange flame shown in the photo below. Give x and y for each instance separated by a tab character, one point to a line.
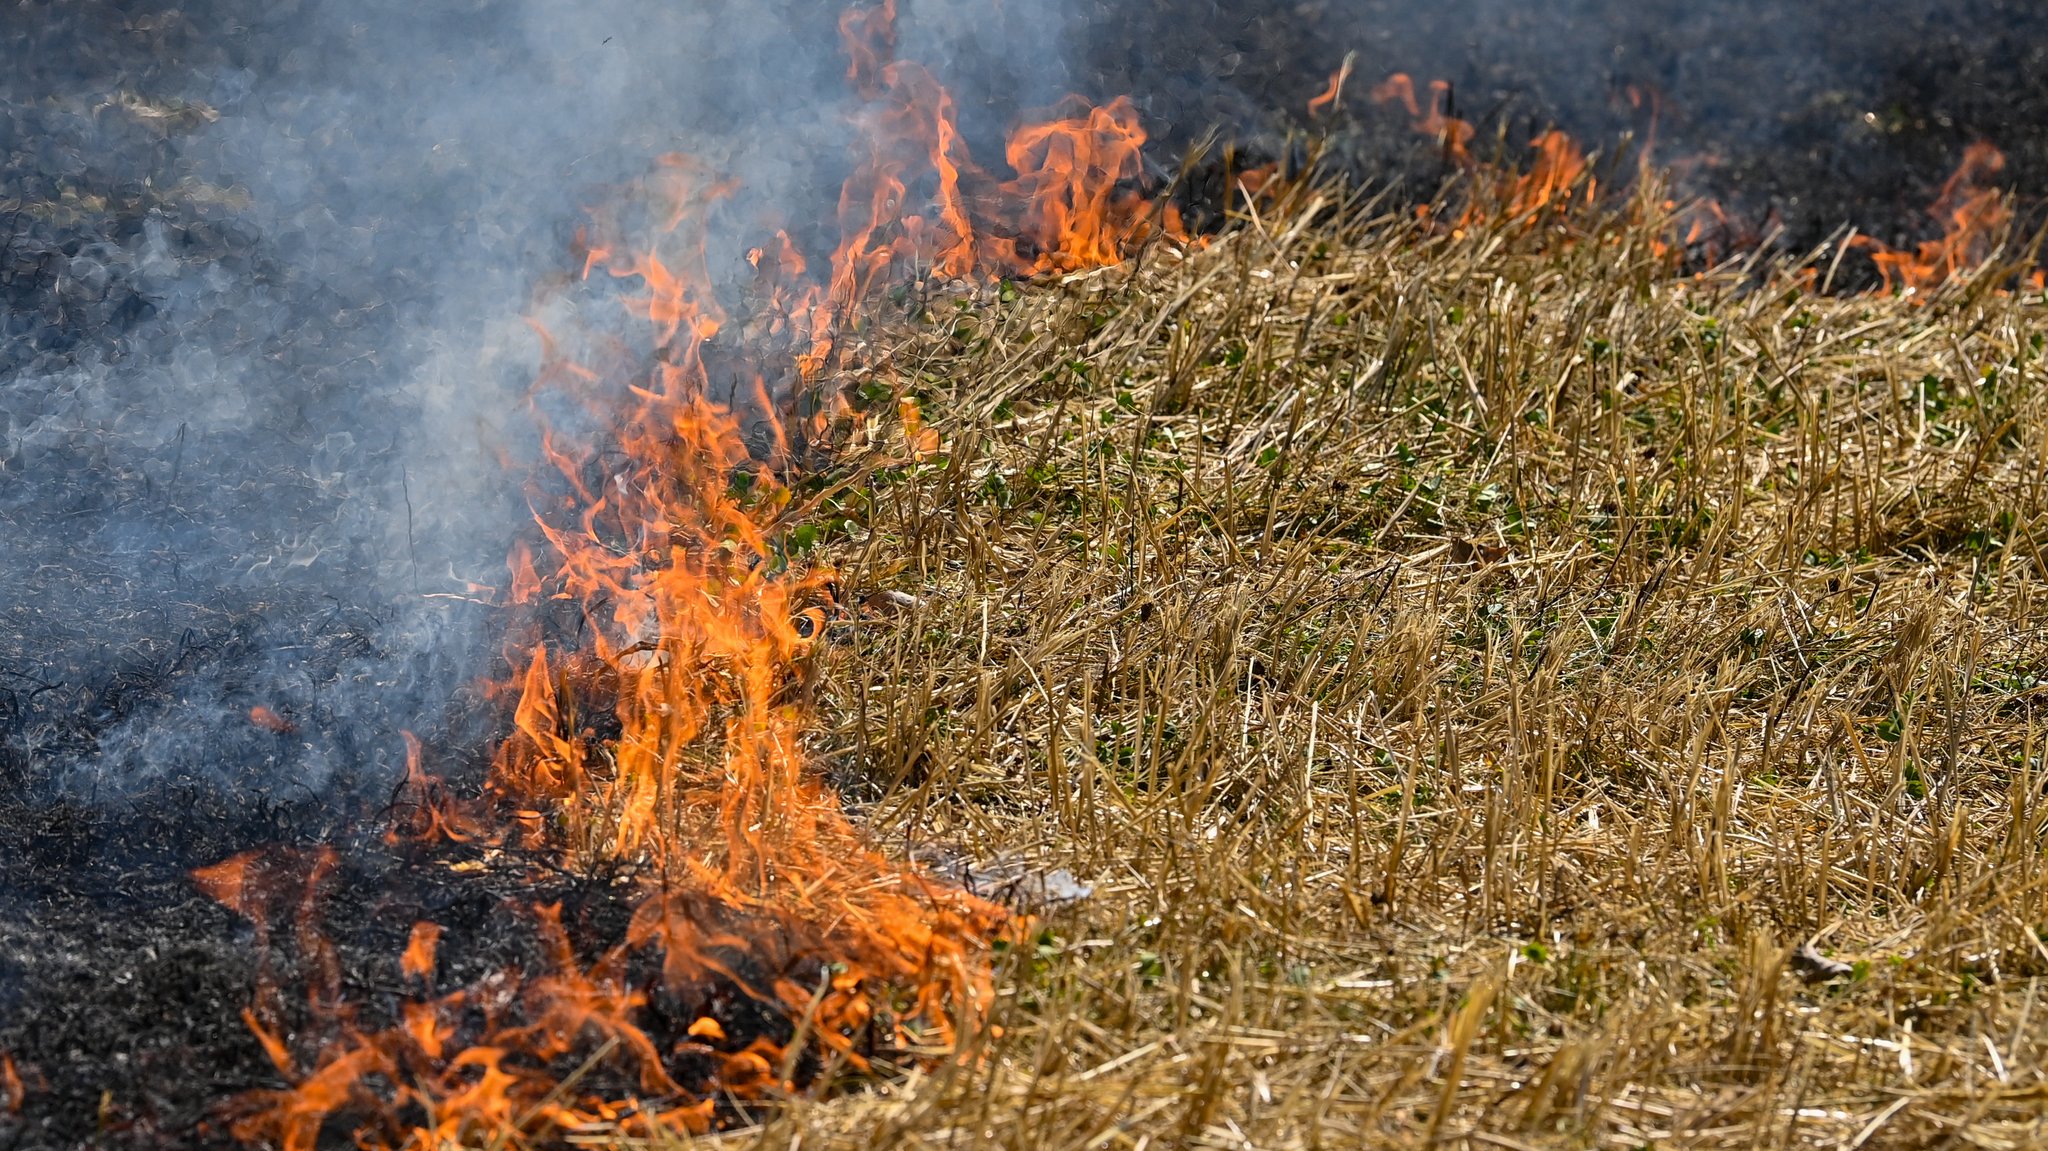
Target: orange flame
13	1093
1072	176
869	36
1074	202
420	946
1452	134
1557	174
1974	214
270	721
1333	91
496	1087
666	739
1554	176
1701	230
427	812
228	882
923	441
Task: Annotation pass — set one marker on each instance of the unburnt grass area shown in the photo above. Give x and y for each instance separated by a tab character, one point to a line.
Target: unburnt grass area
1504	689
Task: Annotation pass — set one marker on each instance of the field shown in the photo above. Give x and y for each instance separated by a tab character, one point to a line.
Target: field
1503	689
1551	667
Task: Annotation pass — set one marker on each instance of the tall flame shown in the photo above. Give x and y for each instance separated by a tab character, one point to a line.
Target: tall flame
664	740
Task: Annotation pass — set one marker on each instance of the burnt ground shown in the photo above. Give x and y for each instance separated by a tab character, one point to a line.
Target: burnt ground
125	1024
207	436
1811	116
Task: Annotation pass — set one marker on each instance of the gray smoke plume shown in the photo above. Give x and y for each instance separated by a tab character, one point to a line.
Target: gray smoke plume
265	266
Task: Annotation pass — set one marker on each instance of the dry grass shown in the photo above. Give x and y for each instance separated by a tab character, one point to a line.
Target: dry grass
1471	669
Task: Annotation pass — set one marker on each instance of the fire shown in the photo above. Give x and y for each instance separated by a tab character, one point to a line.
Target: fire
227	882
922	441
869	35
1333	92
1452	134
661	742
13	1092
1700	231
270	721
1974	215
1072	173
1557	174
499	1089
1075	199
420	946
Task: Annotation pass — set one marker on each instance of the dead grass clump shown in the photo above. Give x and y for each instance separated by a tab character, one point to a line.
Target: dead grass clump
1505	693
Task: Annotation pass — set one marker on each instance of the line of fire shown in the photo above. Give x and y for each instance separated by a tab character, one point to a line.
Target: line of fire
692	860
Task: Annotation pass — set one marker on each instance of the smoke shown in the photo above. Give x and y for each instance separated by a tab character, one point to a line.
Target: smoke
266	267
1810	114
266	361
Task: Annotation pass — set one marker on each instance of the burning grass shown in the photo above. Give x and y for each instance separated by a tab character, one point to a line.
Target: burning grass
656	741
1505	693
1504	689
